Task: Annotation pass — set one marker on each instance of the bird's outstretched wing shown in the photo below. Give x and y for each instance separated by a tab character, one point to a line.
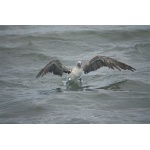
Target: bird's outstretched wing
54	67
102	61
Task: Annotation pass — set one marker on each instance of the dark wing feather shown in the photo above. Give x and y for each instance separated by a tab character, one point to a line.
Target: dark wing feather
102	61
54	67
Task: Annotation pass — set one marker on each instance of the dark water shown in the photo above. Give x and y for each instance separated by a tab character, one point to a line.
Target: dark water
106	96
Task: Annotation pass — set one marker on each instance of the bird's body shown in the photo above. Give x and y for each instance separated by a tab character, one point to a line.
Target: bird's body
75	73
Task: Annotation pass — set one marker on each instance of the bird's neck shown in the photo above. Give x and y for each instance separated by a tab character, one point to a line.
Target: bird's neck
78	67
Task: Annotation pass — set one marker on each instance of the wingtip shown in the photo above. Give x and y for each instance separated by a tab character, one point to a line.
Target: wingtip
38	75
133	69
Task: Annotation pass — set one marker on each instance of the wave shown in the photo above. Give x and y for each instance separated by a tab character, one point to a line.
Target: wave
36	56
128	85
143	47
11	84
109	34
18	45
71	32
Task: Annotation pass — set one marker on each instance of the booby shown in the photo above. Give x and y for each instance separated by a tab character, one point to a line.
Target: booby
95	63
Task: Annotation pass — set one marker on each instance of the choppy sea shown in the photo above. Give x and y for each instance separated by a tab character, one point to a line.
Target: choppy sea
105	96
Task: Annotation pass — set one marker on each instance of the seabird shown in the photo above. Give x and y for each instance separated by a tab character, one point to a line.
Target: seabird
95	63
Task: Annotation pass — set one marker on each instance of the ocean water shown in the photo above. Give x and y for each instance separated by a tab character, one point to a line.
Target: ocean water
105	96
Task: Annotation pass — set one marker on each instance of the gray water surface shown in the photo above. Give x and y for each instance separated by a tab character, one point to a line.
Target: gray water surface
105	96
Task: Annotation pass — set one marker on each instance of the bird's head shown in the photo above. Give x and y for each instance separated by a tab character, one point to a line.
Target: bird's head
79	64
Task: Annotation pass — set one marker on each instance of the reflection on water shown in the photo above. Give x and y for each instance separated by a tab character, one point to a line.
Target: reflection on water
124	85
73	85
79	86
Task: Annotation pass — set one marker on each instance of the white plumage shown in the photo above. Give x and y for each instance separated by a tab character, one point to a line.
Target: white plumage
76	72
